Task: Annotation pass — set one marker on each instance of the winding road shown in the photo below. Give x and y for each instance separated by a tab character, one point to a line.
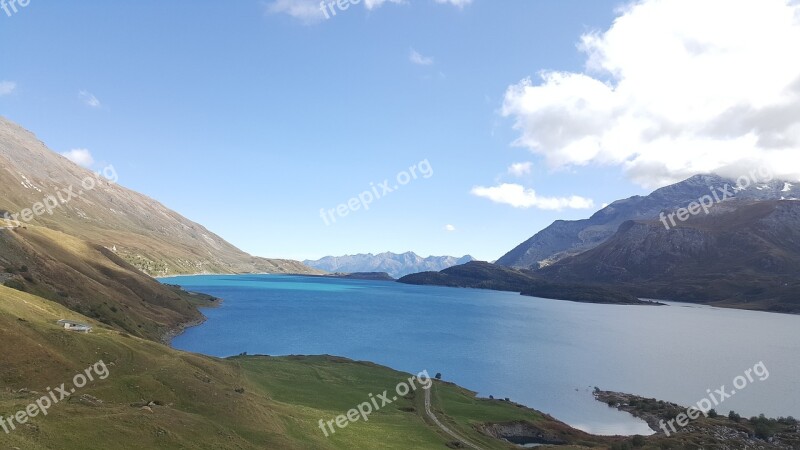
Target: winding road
450	432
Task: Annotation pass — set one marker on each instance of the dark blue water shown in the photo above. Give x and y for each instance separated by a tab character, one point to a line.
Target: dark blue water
543	353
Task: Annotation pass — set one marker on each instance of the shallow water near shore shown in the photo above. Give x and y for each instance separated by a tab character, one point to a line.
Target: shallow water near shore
546	354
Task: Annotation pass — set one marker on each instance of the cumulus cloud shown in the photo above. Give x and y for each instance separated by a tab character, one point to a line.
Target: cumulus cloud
449	228
520	169
671	89
372	4
7	87
416	58
519	197
80	156
89	99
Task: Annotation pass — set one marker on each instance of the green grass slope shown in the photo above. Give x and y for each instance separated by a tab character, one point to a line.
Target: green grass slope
200	402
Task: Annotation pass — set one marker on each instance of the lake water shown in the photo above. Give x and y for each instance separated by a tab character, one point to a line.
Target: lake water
545	354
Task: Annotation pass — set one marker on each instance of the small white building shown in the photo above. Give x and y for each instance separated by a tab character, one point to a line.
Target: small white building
75	326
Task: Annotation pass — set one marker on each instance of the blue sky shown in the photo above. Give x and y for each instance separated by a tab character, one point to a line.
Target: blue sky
249	117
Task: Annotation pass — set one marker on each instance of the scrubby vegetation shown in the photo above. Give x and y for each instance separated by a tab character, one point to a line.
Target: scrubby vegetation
714	431
15	284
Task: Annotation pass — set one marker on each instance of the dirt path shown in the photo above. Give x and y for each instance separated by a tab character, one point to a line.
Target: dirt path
430	414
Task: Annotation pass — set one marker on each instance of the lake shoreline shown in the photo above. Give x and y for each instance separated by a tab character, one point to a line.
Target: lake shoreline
265	308
173	332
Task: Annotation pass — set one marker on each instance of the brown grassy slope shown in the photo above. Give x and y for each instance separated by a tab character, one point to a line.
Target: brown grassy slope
91	280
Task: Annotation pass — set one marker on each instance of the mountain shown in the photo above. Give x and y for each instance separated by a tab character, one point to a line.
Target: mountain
372	276
744	254
396	265
566	238
483	275
94	252
138	229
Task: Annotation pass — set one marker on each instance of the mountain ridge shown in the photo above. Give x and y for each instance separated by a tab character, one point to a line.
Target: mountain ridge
396	265
744	254
483	275
139	229
566	238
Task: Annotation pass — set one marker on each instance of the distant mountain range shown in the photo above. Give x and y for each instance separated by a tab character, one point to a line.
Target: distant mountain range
396	265
744	253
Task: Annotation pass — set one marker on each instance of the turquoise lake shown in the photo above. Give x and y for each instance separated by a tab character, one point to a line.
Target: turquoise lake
545	354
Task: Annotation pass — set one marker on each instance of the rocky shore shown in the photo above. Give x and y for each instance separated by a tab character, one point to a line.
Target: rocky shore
729	432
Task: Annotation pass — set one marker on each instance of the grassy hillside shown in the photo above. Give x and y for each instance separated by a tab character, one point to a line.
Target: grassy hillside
201	402
98	209
91	280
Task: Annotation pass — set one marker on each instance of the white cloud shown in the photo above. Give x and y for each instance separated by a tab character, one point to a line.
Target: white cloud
310	11
674	88
519	197
371	4
449	228
7	87
520	169
80	156
416	58
89	99
459	3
